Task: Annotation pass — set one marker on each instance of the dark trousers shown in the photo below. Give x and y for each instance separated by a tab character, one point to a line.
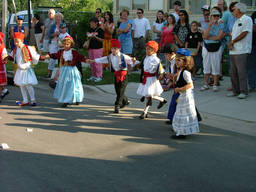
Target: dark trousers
239	77
139	47
120	87
252	68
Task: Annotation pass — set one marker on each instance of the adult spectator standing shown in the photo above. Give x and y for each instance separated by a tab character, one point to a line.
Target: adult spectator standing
204	21
181	29
54	33
252	58
240	46
19	27
140	32
176	7
158	26
47	25
98	13
96	36
38	29
167	34
212	50
124	33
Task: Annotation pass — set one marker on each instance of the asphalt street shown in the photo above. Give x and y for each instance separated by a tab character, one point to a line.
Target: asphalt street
88	148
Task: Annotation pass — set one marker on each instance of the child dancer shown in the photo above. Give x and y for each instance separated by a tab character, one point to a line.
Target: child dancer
3	77
69	88
185	117
118	63
150	87
24	77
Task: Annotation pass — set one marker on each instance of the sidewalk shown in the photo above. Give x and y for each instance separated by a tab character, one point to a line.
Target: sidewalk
217	110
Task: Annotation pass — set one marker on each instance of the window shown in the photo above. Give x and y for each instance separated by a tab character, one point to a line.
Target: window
138	4
156	5
196	6
247	2
123	4
182	4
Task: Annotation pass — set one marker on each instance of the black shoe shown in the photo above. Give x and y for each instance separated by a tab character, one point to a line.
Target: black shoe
169	122
125	104
221	78
64	105
142	99
4	94
161	104
77	103
116	110
178	137
143	116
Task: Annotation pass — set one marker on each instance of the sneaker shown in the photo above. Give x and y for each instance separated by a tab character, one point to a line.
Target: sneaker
215	88
97	79
91	78
4	94
241	96
33	104
205	87
231	94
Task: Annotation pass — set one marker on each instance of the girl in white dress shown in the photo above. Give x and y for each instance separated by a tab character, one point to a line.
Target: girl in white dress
150	87
25	77
185	120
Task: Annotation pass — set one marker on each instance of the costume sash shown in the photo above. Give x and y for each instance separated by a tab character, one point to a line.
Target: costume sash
146	75
120	75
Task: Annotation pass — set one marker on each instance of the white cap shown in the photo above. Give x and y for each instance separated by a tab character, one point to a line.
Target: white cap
206	7
241	6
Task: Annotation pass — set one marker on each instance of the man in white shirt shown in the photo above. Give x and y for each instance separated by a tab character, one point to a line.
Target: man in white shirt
176	7
240	46
140	32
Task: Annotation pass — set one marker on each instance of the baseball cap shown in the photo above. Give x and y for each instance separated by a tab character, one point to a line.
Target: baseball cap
63	25
19	17
215	12
206	7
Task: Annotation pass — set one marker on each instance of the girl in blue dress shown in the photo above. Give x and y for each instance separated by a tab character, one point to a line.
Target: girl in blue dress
69	88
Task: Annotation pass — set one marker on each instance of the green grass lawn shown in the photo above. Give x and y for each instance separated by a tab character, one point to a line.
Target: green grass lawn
41	70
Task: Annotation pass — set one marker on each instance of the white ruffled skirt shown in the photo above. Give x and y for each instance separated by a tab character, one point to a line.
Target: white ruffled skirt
151	88
25	77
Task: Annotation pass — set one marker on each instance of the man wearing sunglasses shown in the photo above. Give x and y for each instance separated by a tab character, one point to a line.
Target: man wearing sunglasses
240	46
140	32
204	21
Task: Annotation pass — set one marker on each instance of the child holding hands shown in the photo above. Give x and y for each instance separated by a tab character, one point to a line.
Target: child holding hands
3	77
150	87
185	120
118	63
69	88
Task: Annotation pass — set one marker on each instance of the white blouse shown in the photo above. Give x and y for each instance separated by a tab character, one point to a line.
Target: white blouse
67	55
151	63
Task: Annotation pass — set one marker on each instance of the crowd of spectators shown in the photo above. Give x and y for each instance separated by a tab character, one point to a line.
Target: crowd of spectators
222	30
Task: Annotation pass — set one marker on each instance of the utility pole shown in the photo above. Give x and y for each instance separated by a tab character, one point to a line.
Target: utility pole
4	18
29	17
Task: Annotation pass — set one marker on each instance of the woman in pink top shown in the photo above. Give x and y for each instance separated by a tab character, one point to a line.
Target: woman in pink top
167	34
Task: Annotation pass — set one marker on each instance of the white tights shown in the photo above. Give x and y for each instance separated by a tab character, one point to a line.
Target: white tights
147	100
31	93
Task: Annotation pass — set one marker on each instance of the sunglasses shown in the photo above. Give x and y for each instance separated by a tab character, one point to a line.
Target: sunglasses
181	14
97	12
139	13
216	16
232	10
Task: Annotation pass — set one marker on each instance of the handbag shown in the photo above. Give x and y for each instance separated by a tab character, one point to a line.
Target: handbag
212	47
86	44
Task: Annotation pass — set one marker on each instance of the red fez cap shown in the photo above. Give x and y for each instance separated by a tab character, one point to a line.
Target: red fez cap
69	38
153	45
19	35
115	43
1	36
